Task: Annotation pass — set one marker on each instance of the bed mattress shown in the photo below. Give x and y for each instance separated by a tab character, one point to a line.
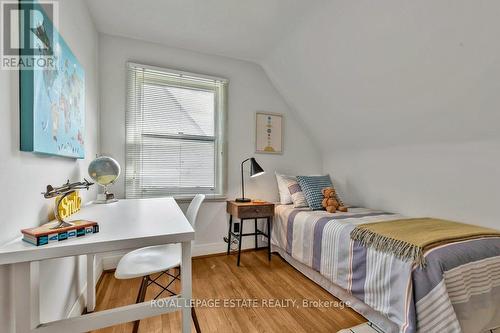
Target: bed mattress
457	291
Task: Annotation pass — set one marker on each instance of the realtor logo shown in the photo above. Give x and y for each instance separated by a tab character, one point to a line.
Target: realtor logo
28	34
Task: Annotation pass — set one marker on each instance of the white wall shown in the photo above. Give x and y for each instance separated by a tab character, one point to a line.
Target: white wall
24	175
249	91
459	181
403	97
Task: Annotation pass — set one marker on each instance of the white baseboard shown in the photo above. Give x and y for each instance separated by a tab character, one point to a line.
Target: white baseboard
79	305
221	247
81	301
211	248
109	261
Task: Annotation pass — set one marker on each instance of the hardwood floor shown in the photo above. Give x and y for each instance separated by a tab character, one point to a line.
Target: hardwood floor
218	278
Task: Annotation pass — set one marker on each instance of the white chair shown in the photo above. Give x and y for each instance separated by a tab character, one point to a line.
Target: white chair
157	259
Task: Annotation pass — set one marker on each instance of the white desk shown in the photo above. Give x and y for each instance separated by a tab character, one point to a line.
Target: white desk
125	224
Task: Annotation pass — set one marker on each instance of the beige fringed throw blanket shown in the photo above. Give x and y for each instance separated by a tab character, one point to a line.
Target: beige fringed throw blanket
408	239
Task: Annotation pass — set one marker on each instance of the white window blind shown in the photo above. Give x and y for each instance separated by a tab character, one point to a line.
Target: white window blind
175	127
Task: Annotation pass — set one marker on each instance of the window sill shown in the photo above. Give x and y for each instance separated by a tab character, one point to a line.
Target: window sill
208	198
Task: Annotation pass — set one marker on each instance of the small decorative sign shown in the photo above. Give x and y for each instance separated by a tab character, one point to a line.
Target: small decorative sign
269	133
69	204
67	200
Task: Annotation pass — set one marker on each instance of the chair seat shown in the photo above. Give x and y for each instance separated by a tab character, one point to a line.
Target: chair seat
149	260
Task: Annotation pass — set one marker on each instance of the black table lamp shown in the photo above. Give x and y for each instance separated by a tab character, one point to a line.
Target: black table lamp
255	170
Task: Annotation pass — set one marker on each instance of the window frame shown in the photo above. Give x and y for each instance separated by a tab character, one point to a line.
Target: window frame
219	86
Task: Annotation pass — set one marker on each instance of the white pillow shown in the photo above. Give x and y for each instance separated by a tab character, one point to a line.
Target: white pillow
285	197
298	197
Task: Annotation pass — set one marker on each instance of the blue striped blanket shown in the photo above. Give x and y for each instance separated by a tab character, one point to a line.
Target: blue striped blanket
458	290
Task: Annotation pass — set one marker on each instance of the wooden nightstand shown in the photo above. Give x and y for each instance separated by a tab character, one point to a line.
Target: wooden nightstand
249	211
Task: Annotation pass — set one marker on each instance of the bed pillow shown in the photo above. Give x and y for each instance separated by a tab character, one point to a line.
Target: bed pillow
311	187
285	197
296	193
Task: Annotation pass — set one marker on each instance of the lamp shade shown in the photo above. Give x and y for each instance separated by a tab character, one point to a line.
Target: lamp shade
255	168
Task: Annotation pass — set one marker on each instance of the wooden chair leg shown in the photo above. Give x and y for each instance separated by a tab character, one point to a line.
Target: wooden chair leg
140	298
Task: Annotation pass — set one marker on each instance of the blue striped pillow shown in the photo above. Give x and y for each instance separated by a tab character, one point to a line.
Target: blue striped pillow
312	186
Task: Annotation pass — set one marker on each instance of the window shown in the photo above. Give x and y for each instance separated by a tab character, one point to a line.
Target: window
175	133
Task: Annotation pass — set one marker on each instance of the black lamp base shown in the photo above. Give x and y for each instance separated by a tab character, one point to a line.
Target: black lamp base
243	200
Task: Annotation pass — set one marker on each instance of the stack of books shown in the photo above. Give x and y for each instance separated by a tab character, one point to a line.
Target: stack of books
45	234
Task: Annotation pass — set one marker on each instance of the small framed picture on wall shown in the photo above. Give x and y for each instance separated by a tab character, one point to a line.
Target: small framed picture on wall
268	133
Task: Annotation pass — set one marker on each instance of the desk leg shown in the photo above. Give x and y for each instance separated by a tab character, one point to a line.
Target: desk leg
186	288
256	236
239	242
269	219
229	234
26	283
90	283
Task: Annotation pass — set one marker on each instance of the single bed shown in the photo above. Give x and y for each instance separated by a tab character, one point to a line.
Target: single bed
457	291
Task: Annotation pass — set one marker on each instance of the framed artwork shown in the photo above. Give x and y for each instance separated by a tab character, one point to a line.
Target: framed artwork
52	100
269	133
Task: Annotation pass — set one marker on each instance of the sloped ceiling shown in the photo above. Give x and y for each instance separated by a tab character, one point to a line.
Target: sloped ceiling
235	28
381	73
359	74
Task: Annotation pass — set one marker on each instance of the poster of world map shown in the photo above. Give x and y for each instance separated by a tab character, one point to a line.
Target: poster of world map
53	99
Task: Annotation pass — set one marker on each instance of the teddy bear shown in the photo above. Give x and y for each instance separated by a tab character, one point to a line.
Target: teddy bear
331	202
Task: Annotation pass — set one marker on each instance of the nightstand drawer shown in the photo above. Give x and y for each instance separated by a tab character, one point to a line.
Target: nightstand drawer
255	211
249	210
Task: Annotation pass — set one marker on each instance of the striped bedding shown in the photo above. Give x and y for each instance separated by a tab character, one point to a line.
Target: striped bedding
458	291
